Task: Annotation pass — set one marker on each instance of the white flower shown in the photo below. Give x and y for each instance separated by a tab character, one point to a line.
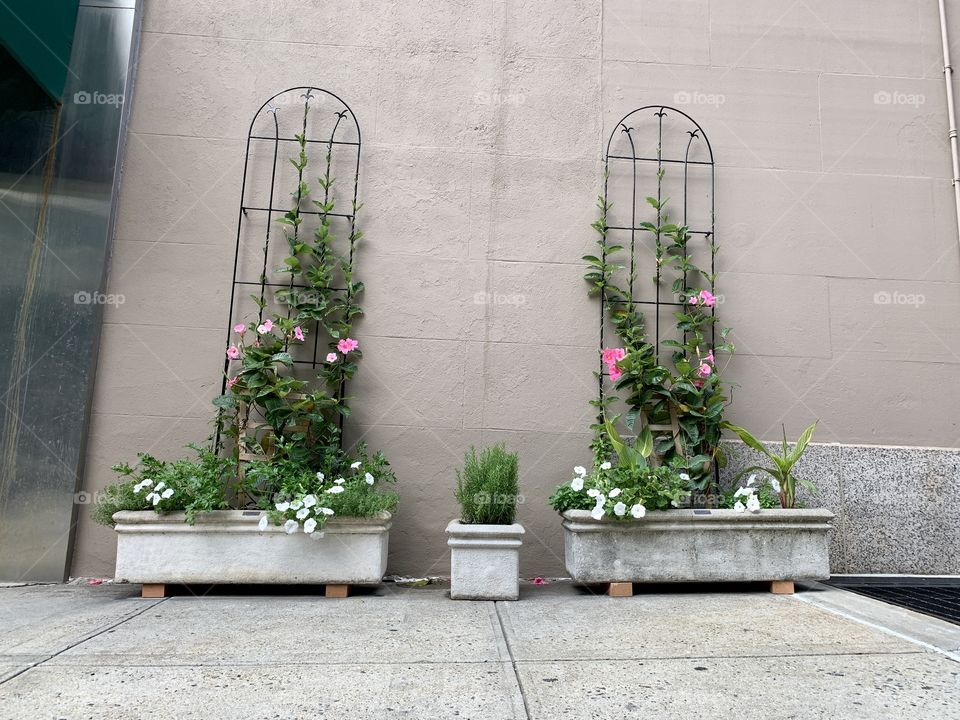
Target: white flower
335	489
146	482
166	493
309	526
264	521
290	527
154	497
160	486
282	506
615	492
743	491
605	465
577	483
597	512
601	499
683	476
325	511
593	492
356	464
751	479
296	505
302	513
369	478
739	506
775	484
321	477
619	509
309	501
753	504
580	470
339	481
638	511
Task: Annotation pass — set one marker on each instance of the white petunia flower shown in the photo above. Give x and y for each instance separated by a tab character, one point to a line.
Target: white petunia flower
325	511
753	504
615	492
146	482
309	526
775	484
683	476
339	481
368	478
638	511
577	483
302	513
605	465
593	492
742	491
321	477
290	527
167	493
282	506
309	501
264	521
580	470
356	464
296	505
335	489
160	486
751	479
154	497
619	509
739	506
601	499
597	512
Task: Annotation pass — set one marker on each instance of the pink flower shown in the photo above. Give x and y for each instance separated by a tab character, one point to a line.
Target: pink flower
539	581
710	358
693	300
233	352
266	327
331	357
347	345
615	373
698	383
611	356
239	328
708	298
231	382
298	333
704	370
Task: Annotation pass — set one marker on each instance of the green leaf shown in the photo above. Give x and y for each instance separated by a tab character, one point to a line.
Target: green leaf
802	442
749	439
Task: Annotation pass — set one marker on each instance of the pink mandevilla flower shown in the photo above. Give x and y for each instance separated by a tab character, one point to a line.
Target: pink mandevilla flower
704	370
698	383
347	345
298	333
233	352
266	327
693	300
708	298
613	355
231	382
239	328
615	373
710	358
331	357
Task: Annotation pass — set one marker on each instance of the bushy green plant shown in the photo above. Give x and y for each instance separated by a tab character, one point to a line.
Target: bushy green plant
487	488
190	486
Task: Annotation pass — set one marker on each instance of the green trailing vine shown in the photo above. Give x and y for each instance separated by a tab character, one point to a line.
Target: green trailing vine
689	387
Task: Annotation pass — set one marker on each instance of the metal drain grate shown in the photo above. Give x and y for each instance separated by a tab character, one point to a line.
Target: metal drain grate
939	597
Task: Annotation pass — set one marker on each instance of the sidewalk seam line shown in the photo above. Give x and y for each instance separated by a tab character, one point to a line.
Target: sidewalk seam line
513	662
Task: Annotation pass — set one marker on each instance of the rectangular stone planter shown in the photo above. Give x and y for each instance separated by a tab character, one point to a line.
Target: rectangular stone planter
698	545
484	561
226	546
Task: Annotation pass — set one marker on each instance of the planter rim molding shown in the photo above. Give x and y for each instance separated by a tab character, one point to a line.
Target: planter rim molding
715	519
238	521
461	534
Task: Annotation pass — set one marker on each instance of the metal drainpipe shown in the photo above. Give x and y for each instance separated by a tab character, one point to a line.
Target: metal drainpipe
951	112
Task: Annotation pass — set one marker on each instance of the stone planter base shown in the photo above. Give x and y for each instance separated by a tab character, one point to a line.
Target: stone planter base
484	561
226	546
698	545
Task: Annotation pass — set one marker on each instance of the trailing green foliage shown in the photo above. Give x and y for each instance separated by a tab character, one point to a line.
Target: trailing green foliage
487	488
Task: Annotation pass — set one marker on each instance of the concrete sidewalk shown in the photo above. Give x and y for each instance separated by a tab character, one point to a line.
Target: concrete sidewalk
71	651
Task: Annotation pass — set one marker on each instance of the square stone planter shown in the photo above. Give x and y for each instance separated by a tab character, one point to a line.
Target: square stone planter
484	561
226	546
699	545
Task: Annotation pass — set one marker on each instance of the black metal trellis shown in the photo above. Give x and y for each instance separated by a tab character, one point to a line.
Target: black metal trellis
633	134
320	117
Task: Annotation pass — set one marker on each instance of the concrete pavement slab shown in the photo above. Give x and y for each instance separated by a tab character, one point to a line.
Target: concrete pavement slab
408	626
567	627
482	691
851	687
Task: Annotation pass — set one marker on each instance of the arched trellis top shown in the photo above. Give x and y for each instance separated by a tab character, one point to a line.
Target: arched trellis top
314	119
638	142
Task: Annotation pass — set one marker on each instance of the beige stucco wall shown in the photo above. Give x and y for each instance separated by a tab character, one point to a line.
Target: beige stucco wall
484	122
